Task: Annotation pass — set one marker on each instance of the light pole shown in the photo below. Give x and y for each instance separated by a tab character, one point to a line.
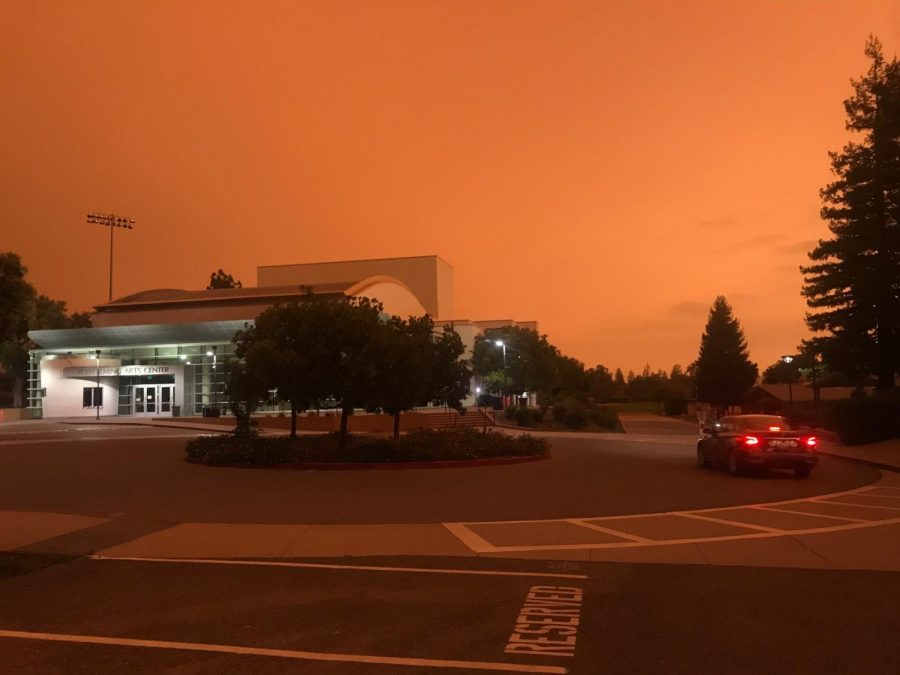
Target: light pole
212	379
787	358
97	397
111	221
501	343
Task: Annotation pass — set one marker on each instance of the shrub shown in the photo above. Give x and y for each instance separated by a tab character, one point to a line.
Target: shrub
509	412
606	418
575	419
537	415
559	412
675	403
523	416
417	446
867	419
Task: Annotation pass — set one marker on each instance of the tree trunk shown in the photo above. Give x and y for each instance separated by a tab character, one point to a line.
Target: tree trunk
293	419
345	414
397	425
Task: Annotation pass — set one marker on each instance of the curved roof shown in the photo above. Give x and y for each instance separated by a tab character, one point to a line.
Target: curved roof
168	296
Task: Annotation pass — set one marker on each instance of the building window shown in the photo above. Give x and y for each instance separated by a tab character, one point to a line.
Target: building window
92	397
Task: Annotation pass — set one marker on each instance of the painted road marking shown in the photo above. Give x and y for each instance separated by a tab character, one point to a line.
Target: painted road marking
281	653
810	513
325	566
725	521
615	533
855	501
547	624
848	498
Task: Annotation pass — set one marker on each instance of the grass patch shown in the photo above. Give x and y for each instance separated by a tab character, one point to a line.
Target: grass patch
416	446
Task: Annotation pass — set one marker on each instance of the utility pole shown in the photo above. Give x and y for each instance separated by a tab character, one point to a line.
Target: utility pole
112	221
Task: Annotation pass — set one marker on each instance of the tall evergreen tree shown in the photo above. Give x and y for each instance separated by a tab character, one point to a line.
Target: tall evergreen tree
724	371
22	310
853	285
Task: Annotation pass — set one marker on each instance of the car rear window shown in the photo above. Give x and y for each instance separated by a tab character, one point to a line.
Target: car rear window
763	423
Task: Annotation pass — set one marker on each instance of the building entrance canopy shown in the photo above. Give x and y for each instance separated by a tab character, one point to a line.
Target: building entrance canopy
117	337
120	371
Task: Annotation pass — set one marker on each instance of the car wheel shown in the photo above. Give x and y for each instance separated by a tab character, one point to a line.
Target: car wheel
734	466
701	457
802	471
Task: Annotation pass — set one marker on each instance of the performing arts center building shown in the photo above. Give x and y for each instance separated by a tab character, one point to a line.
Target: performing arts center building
162	352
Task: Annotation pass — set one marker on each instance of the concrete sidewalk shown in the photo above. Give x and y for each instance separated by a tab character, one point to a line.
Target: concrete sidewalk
883	455
855	529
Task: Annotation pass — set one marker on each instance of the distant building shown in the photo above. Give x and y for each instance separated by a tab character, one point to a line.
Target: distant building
798	399
161	352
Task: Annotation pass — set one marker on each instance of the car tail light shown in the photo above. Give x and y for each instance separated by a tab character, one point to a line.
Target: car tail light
751	443
810	443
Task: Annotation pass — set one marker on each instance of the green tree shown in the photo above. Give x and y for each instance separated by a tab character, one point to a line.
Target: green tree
404	362
600	385
532	363
853	285
781	373
723	369
275	350
222	280
450	376
17	299
349	352
246	388
23	310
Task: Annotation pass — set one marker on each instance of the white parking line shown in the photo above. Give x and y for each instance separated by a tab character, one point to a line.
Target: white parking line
731	523
843	502
479	544
281	653
326	566
814	515
608	530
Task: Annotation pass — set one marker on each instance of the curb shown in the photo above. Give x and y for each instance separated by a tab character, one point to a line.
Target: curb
154	426
866	462
351	466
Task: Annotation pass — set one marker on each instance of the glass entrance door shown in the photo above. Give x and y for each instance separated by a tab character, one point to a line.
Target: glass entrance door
166	394
153	399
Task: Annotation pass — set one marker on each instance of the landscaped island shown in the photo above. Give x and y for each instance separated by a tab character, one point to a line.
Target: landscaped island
423	446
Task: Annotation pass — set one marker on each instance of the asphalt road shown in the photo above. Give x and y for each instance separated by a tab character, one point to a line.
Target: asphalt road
615	618
141	474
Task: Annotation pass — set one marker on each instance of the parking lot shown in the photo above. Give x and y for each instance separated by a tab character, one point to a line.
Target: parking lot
430	615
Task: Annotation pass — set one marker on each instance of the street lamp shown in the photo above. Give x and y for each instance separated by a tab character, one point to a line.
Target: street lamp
787	358
212	378
97	390
502	344
111	221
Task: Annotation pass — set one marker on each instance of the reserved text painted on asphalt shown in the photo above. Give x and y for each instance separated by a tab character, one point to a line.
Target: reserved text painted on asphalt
548	622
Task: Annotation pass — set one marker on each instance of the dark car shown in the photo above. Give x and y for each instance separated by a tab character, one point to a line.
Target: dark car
742	442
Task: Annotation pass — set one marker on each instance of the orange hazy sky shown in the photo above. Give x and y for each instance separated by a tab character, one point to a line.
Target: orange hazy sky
604	168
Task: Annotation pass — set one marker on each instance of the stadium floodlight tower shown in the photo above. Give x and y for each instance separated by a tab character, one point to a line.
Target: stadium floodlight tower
112	221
